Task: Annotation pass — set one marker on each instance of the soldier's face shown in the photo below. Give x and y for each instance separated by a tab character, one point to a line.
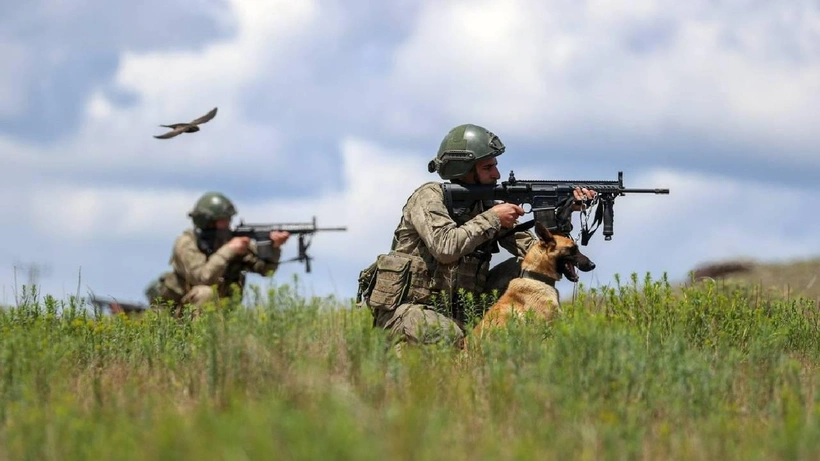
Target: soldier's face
486	171
223	231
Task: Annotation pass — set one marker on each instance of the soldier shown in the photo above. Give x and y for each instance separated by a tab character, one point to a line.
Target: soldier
207	256
413	290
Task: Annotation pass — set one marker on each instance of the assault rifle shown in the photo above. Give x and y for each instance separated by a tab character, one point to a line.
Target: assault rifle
550	201
112	306
261	234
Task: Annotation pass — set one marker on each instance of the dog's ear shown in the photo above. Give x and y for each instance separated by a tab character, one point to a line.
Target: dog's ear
543	233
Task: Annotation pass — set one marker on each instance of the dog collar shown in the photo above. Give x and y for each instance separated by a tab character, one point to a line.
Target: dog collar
537	276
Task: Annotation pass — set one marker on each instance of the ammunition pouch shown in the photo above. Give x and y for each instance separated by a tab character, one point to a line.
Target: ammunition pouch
394	279
471	274
168	287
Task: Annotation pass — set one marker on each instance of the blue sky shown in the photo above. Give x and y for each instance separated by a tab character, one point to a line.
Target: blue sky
333	109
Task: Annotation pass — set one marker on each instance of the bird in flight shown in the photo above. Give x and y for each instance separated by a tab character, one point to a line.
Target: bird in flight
190	127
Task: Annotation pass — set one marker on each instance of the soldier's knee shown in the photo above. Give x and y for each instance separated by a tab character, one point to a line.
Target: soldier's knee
199	295
422	325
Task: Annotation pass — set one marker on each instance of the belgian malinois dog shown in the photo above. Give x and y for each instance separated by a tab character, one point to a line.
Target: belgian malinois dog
552	257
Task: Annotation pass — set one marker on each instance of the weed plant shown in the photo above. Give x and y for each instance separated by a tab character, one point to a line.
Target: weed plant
641	370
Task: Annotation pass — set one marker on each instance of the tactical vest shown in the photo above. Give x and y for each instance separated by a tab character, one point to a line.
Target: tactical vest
411	274
171	286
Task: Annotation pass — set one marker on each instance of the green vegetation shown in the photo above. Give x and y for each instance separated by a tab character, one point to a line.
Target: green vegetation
640	371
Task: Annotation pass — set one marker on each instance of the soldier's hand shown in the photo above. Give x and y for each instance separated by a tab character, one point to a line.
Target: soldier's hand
582	195
239	245
278	238
508	213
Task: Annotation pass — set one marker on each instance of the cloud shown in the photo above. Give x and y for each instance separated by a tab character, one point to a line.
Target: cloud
12	101
666	84
56	51
92	215
745	75
173	85
333	109
121	238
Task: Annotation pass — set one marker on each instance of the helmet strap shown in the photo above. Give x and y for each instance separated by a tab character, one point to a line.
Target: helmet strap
470	178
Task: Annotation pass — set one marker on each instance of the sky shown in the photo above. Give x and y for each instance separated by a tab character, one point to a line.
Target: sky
333	109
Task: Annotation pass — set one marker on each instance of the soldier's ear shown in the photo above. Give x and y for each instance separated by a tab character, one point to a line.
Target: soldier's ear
543	233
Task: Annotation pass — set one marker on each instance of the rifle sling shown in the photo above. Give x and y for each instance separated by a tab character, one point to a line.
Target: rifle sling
518	228
586	233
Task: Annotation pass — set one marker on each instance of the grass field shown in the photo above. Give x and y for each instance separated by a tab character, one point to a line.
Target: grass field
642	370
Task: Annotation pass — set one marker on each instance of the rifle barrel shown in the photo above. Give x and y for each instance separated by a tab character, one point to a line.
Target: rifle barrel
290	227
310	230
645	191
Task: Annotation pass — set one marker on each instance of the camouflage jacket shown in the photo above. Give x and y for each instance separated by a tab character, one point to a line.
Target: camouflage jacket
448	244
193	265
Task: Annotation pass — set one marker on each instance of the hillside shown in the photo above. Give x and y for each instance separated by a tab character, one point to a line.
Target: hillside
788	278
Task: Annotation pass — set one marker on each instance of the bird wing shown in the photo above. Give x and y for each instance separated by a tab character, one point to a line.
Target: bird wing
170	134
205	117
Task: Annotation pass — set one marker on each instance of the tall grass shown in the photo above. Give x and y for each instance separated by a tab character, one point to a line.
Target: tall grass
636	371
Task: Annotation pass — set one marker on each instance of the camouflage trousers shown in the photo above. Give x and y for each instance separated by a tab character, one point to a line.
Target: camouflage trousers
422	324
197	296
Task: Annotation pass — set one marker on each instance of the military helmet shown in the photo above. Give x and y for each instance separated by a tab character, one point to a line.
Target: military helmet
210	207
462	148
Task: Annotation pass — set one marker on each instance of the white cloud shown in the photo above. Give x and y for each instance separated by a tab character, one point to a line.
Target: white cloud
174	82
528	70
89	215
540	69
17	63
730	73
377	182
178	86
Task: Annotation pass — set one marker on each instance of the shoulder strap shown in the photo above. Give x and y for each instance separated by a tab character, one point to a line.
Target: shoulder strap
448	201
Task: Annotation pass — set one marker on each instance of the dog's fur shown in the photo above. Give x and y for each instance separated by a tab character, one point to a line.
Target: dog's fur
552	257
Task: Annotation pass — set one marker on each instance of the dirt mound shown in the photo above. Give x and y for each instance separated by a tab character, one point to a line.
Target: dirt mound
722	269
788	278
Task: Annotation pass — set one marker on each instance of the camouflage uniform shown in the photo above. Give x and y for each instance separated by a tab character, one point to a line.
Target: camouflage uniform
200	265
413	290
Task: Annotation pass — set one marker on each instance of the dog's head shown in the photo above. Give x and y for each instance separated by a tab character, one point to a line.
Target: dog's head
556	255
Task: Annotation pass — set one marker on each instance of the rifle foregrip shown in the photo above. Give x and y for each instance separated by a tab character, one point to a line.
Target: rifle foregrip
609	216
